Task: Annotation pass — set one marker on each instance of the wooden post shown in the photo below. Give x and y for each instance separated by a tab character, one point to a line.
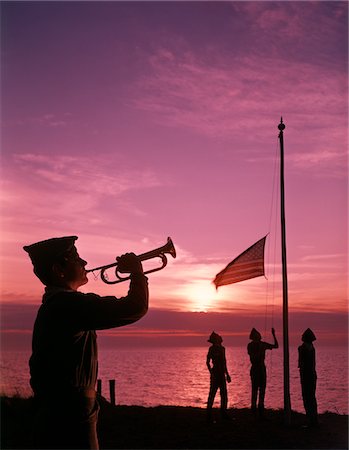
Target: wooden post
112	391
99	387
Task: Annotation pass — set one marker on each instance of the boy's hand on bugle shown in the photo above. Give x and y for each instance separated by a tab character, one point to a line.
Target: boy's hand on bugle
129	263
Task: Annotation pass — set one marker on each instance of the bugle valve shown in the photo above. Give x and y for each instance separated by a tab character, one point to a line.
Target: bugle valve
160	252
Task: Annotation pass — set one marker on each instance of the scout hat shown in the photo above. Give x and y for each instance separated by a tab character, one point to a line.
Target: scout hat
50	249
255	335
215	338
308	336
44	253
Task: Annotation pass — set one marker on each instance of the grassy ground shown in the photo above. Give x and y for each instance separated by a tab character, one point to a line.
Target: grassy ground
170	427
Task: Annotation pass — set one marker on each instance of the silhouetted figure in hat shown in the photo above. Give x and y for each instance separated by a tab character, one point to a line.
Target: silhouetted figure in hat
256	349
63	364
219	375
307	371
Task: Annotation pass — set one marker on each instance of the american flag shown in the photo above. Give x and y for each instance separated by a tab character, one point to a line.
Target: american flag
249	264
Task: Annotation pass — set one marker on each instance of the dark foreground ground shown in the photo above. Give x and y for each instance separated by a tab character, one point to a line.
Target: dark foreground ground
171	427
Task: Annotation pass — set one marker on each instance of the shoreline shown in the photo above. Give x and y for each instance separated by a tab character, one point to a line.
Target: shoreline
179	427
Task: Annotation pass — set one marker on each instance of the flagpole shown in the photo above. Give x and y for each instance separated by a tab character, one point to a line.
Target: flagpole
287	398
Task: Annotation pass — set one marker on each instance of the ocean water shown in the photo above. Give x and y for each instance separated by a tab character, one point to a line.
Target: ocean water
178	376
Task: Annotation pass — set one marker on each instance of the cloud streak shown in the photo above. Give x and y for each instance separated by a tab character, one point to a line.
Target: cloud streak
177	327
225	95
226	98
76	189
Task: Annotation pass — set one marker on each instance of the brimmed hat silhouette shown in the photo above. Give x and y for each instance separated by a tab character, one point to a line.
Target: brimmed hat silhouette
215	338
50	249
255	335
308	336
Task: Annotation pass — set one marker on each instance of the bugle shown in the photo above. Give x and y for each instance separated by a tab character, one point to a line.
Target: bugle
160	252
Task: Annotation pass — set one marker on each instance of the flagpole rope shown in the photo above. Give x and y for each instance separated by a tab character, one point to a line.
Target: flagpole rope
274	206
276	215
272	232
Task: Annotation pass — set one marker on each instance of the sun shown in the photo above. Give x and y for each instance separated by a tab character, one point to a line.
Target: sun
201	294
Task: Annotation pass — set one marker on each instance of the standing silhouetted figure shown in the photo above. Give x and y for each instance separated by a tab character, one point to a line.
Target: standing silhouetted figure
307	371
64	363
219	374
256	349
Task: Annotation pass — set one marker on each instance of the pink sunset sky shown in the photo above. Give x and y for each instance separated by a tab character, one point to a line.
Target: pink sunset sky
127	122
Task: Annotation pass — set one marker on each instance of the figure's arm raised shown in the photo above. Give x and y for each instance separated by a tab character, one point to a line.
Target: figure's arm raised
276	344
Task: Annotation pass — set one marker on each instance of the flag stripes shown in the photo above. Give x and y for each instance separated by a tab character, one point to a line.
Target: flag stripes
249	264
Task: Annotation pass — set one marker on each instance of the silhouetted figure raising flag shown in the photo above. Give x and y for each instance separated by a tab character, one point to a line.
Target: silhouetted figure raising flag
249	264
219	375
63	364
256	349
307	371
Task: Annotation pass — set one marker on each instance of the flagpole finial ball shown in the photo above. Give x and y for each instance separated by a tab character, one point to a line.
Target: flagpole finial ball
281	125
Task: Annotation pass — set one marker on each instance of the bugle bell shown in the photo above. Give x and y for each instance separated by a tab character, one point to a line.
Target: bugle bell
160	252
